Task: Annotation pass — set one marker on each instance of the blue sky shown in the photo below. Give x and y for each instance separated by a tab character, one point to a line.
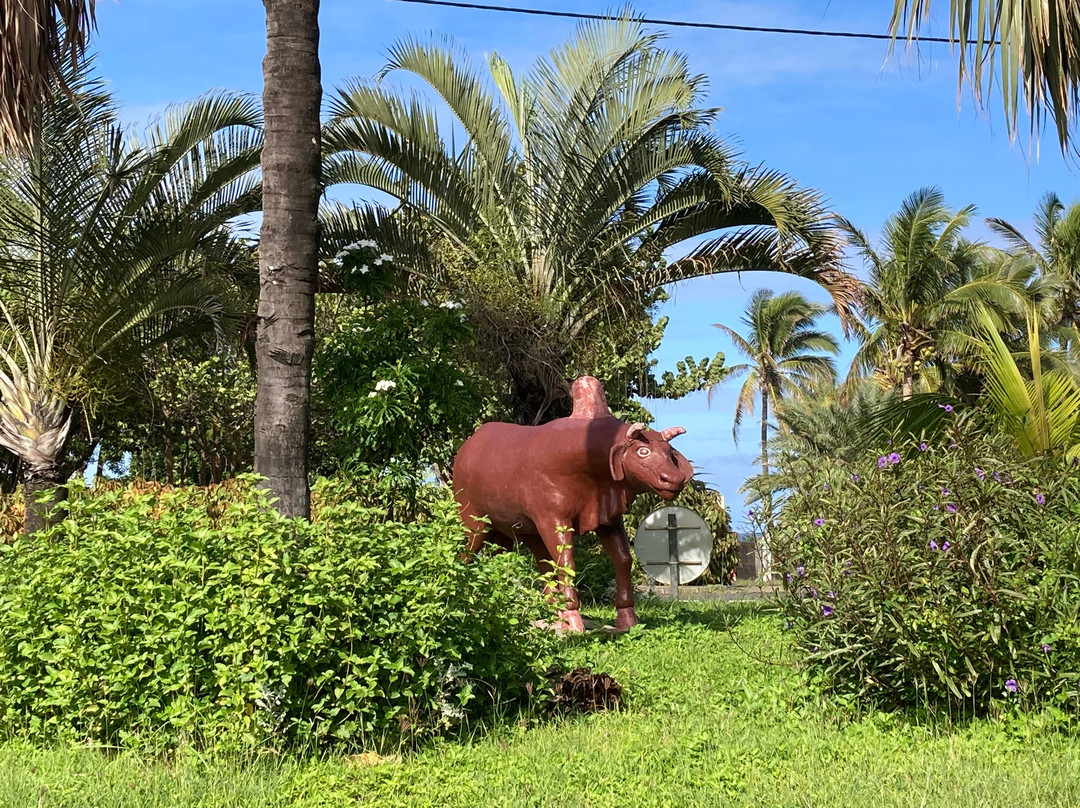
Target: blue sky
835	115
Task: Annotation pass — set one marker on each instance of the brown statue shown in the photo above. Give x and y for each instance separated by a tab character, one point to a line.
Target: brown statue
544	485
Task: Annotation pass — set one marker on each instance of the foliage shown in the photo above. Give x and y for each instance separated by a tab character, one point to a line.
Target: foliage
937	573
713	717
110	245
189	421
202	616
555	210
390	386
1034	44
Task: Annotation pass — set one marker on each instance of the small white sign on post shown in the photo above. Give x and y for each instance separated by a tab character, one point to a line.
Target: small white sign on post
674	545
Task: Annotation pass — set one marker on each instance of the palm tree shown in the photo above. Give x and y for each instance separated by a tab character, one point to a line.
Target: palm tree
780	340
555	196
925	281
288	250
108	246
1056	257
1038	55
36	38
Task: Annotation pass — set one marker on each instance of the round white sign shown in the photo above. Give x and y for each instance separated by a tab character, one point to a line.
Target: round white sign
659	554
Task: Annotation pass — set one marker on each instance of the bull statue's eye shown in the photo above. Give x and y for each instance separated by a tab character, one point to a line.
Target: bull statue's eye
644	451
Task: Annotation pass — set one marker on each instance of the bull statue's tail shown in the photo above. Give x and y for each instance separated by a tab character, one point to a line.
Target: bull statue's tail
589	399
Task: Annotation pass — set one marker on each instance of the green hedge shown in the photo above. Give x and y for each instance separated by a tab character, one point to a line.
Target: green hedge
200	616
942	574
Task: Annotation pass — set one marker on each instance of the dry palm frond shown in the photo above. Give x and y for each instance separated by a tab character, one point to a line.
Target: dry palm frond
36	38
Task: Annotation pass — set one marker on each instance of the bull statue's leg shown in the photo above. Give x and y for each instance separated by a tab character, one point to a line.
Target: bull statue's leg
615	543
559	541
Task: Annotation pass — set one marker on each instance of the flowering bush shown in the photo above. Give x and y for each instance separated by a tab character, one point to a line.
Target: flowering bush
935	573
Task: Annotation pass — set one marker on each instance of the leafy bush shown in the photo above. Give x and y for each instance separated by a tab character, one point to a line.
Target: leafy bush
944	574
198	615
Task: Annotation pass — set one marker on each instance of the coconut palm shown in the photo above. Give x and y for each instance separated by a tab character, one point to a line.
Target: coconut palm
1034	44
1056	256
36	38
555	196
109	245
788	356
926	281
288	250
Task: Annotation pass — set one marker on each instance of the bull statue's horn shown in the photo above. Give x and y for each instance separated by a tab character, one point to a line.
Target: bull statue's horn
672	432
635	430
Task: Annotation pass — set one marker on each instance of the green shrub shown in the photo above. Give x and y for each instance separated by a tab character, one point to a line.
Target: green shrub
943	575
200	616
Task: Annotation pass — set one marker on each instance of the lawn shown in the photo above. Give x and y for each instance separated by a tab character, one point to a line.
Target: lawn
715	716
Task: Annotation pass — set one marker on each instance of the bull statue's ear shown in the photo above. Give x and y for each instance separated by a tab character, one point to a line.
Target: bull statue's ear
615	461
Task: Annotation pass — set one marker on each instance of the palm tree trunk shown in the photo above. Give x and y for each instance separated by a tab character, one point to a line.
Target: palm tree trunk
907	385
766	499
288	250
39	479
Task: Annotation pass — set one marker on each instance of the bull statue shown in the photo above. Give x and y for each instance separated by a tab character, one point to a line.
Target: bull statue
544	485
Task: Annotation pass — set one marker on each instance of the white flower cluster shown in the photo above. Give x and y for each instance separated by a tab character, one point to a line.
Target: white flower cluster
382	386
450	304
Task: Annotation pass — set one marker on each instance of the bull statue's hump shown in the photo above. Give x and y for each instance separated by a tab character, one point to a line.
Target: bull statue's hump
589	399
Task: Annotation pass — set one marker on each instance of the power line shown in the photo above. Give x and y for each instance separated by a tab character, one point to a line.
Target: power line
716	26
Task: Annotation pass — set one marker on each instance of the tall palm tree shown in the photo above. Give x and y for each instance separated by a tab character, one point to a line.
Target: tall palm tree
288	250
37	38
788	356
923	279
557	194
109	245
1038	56
1056	256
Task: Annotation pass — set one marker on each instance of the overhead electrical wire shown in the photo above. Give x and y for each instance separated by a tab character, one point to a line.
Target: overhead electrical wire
716	26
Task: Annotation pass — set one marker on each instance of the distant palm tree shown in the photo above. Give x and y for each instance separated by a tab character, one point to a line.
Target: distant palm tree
925	281
564	189
109	245
37	38
780	342
1038	56
1056	255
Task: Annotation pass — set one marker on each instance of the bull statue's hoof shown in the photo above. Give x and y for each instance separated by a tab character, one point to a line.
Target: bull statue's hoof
625	618
570	620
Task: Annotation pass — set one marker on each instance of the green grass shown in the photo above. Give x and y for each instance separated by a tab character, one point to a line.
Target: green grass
714	717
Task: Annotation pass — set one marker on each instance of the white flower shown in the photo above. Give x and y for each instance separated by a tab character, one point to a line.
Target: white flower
368	242
385	257
385	384
377	262
372	395
450	304
459	383
423	303
363	270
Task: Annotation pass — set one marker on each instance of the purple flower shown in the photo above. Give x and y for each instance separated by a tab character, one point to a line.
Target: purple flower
800	571
950	507
944	492
935	507
819	521
1045	648
847	563
945	547
827	611
980	473
825	487
788	576
832	595
1040	499
881	461
946	407
1011	685
750	514
854	478
847	573
997	476
933	544
953	445
894	457
923	447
